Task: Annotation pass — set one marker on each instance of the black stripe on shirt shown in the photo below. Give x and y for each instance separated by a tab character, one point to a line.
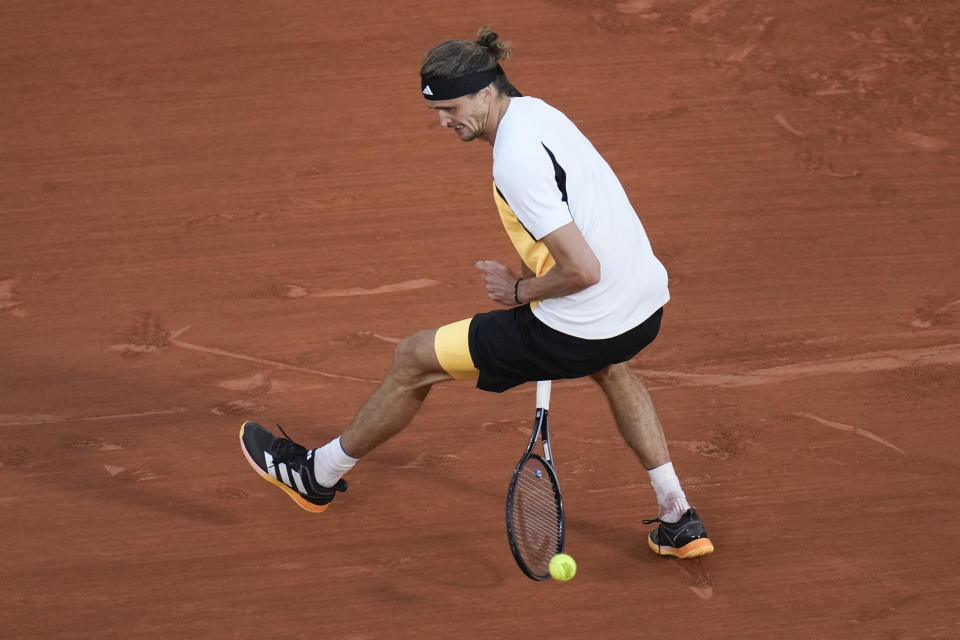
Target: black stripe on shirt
558	174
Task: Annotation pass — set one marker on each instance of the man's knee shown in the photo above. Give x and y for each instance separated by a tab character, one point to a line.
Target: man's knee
415	359
612	373
411	351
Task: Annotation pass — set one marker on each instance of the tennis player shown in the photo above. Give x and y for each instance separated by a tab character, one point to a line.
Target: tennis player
589	296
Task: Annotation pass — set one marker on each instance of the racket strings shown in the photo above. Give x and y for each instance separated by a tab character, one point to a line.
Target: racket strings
536	516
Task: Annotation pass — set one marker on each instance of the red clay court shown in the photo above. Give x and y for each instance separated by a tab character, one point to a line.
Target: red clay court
220	211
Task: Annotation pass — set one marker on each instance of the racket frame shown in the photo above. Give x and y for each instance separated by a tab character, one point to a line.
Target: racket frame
541	430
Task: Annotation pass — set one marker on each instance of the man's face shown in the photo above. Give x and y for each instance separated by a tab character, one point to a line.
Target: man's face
466	115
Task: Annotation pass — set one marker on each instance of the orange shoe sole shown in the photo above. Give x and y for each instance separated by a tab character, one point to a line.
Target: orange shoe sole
694	549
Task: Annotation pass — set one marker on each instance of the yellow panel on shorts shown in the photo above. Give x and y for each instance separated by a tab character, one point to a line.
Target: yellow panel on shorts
452	345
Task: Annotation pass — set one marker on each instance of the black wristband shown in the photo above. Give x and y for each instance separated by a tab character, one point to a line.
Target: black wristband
516	288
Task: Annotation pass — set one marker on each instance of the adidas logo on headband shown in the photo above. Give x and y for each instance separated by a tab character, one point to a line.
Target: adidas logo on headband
427	91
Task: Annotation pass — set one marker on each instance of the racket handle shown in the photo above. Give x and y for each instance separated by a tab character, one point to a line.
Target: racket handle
543	394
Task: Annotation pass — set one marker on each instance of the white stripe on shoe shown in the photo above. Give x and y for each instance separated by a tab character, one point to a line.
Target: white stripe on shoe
288	476
299	480
285	475
271	468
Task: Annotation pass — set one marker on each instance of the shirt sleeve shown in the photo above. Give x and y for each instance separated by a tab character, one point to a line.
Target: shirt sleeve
534	186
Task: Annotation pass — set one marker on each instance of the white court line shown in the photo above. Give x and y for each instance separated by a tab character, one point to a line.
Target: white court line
142	414
48	419
408	285
240	356
851	429
946	306
867	362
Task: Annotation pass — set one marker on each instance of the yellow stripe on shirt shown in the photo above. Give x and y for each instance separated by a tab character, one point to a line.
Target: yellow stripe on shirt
533	252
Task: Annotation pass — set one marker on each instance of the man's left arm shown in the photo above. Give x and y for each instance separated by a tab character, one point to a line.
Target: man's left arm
576	268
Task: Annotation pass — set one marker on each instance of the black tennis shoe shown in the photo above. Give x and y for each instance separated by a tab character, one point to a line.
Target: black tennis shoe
288	465
686	538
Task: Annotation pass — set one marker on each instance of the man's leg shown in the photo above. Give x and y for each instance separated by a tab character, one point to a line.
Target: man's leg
637	420
311	478
681	532
635	414
394	404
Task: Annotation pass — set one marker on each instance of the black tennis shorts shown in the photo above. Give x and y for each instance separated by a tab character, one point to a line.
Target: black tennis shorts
512	346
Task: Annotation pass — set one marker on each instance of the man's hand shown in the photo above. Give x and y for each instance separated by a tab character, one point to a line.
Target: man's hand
576	268
500	281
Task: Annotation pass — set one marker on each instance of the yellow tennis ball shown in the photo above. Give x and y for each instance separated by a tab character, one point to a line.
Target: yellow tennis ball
562	567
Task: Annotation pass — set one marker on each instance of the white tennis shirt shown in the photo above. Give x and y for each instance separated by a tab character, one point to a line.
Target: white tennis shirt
547	174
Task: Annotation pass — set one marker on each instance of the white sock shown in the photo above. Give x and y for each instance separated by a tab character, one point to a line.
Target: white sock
671	501
330	462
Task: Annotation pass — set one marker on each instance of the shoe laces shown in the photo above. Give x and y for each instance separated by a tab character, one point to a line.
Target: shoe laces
286	450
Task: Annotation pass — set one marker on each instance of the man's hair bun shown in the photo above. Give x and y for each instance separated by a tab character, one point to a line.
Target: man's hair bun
487	37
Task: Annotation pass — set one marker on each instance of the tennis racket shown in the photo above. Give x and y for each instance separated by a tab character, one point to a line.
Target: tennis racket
535	522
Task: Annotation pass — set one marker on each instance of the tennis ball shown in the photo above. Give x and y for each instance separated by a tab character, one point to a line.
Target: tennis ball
562	567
